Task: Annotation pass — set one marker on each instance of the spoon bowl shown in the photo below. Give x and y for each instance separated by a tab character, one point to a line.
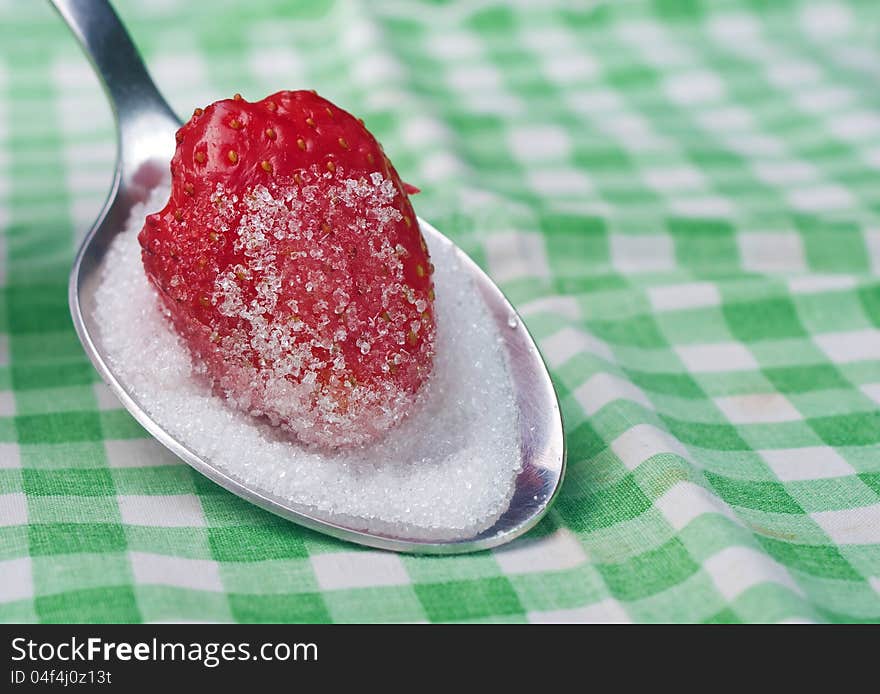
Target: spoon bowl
146	127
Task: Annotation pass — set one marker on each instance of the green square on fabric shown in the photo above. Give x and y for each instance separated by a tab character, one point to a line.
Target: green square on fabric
678	9
693	326
161	479
37	308
19	612
572	240
832	311
804	379
66	399
816	560
769	603
371	605
72	509
186	543
681	385
722	437
272	577
256	543
613	504
639	331
769	319
651	572
68	482
119	424
855	429
834	493
58	427
559	590
79	455
306	608
105	605
703	243
72	572
832	246
869	295
55	375
168	603
725	616
72	538
763	496
458	601
14	542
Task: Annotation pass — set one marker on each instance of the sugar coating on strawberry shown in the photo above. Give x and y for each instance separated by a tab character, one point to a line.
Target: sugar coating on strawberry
290	261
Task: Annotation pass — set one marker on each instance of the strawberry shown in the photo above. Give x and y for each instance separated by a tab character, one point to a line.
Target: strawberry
291	264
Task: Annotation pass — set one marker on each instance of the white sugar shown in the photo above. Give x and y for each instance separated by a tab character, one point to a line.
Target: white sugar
444	473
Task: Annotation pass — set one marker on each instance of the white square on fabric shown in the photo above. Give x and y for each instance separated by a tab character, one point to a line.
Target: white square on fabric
512	256
854	345
702	206
9	456
726	118
608	611
734	26
757	408
717	357
556	552
162	511
571	67
694	87
456	45
676	297
7	403
794	73
872	242
736	569
559	182
672	179
821	99
785	172
603	388
568	342
13	509
642	253
851	526
177	572
105	398
124	453
566	306
685	501
826	20
539	142
807	463
275	64
18	582
638	443
821	198
812	284
344	570
872	390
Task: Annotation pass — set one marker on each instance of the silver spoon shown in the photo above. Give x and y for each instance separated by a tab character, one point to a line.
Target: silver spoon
146	127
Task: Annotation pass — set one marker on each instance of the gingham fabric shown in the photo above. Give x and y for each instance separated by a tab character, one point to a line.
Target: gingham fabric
682	197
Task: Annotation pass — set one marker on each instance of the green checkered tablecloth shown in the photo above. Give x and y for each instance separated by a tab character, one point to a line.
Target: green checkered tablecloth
682	197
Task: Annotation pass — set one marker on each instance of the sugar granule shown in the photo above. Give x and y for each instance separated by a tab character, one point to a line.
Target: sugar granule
445	472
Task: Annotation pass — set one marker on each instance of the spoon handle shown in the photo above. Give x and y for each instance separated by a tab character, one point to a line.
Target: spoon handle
141	112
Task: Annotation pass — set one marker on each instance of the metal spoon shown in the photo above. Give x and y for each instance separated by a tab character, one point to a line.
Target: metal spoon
146	127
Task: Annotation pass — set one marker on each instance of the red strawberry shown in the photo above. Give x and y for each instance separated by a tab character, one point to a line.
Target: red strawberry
292	265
